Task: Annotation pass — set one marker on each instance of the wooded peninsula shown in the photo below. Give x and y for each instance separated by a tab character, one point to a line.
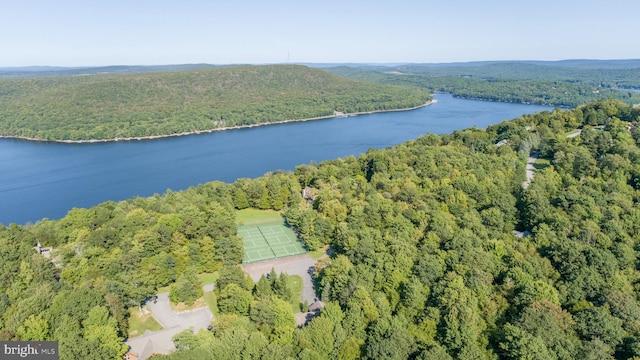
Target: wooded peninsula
557	83
137	102
156	104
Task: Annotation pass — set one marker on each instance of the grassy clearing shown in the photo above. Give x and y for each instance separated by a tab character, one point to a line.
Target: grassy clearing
208	298
295	284
208	278
141	322
212	302
317	254
179	307
256	216
540	164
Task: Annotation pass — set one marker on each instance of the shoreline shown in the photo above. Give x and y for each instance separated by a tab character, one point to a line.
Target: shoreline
198	132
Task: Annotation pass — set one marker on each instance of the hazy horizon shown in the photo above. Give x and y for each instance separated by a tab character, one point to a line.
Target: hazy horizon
44	66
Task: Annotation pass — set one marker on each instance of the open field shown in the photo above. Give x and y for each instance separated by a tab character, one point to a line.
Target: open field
256	216
140	322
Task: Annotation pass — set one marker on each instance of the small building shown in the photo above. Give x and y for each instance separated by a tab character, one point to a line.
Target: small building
302	319
44	251
502	142
308	195
521	234
316	307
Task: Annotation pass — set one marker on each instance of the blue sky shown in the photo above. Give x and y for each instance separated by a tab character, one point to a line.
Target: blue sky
94	33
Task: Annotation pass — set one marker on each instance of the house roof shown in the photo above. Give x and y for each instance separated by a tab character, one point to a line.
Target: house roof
318	305
158	342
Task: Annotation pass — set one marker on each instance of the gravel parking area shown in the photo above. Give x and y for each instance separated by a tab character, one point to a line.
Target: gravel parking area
301	265
160	341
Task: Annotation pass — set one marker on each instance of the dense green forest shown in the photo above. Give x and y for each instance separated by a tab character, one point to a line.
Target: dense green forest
425	263
609	74
109	106
563	86
82	104
602	73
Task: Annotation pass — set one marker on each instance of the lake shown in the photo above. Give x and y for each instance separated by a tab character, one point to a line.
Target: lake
39	180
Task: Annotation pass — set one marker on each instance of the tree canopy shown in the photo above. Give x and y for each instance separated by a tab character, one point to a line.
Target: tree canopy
565	84
120	106
428	258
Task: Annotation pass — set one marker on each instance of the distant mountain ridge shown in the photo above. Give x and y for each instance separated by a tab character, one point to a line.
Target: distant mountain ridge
565	83
50	71
39	71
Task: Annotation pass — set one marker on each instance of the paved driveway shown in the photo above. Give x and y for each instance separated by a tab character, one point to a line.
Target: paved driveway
160	341
530	169
293	265
161	310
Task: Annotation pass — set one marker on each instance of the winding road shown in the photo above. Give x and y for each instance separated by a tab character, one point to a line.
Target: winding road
535	155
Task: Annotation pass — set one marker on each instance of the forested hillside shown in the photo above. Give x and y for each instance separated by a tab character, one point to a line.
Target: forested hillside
609	74
546	83
110	106
425	263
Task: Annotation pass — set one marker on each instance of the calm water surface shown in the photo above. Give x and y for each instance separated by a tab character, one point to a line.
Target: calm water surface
39	180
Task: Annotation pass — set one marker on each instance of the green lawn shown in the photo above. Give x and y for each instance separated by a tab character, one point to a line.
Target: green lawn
256	216
139	323
212	302
180	307
208	278
295	284
208	298
317	254
540	164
